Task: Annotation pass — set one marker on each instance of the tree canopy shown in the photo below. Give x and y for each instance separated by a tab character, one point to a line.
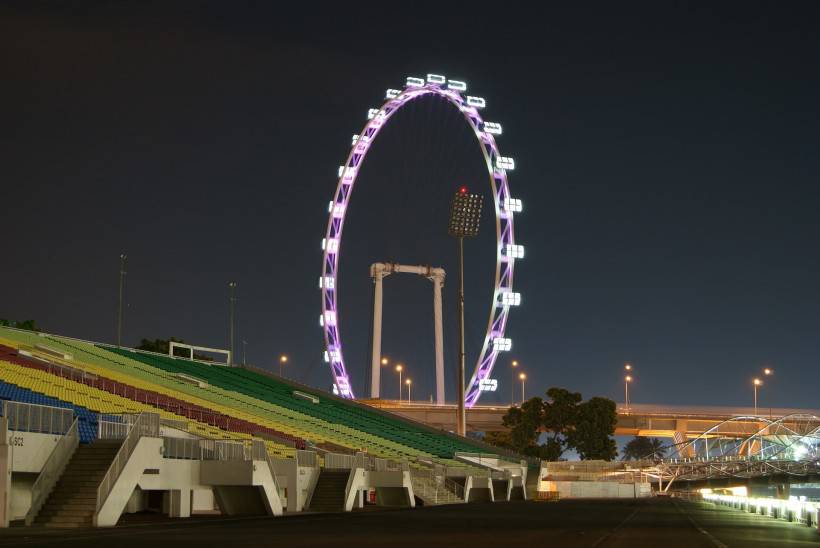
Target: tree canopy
641	447
566	421
29	325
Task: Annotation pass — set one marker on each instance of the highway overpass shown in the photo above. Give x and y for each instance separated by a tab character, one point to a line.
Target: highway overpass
639	420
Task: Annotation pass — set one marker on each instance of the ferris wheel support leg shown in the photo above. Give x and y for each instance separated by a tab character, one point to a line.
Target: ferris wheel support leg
376	356
439	339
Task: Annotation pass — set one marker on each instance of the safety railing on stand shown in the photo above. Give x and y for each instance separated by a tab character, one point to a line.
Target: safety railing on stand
339	461
146	425
30	417
307	458
181	448
52	470
112	430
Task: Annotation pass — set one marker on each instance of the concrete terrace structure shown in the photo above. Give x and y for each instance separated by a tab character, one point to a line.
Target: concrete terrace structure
93	431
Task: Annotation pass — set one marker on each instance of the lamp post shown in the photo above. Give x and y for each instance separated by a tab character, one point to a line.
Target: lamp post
755	383
283	359
385	361
399	369
627	380
523	377
768	371
513	365
123	259
232	287
409	384
465	214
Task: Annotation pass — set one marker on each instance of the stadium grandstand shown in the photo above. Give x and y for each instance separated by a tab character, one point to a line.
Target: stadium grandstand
96	431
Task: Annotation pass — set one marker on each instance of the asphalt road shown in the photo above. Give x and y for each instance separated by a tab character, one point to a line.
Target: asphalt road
568	524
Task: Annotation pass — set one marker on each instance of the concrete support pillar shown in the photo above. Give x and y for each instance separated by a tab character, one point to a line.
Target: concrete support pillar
179	503
438	281
376	356
378	271
782	491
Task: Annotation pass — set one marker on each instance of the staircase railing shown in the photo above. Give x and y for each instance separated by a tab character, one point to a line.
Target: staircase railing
435	488
52	470
146	425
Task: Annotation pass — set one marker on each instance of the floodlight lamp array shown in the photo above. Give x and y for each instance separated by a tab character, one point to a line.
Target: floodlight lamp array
465	214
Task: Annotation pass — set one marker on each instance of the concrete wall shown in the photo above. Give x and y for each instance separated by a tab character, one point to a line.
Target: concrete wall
296	481
29	451
234	484
597	489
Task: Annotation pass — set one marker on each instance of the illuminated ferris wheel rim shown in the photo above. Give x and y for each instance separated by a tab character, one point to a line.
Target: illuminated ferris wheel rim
507	251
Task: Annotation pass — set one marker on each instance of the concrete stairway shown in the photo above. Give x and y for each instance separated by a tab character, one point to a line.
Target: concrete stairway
329	494
432	491
73	501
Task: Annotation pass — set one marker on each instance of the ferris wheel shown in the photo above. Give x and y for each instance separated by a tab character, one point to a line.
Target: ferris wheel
507	251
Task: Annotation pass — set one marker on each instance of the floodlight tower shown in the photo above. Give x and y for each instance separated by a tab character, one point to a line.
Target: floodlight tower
465	214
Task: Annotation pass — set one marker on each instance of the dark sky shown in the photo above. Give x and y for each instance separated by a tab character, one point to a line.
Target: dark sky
667	158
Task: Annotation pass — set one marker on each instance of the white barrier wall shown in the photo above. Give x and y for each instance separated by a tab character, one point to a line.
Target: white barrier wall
793	509
596	489
29	451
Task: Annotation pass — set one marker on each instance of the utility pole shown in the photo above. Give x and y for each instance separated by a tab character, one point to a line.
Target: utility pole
465	214
232	286
123	259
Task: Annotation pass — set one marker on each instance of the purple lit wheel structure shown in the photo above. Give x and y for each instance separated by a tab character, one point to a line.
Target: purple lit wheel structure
505	207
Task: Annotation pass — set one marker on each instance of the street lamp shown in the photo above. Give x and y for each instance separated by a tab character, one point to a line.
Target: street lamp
232	286
465	214
399	369
513	365
755	383
768	371
523	377
627	380
385	361
283	359
123	259
409	384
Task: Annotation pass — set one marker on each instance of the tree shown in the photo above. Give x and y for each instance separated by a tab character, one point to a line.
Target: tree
566	422
524	423
29	325
641	447
499	439
595	424
560	418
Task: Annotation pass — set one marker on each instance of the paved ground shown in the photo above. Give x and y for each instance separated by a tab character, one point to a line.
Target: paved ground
568	524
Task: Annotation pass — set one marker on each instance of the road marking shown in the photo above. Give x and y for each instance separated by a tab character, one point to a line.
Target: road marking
715	542
615	530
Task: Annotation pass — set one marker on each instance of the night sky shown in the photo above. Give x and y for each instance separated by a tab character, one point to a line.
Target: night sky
667	159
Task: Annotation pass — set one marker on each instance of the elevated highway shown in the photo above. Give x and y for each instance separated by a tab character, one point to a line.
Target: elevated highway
671	421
